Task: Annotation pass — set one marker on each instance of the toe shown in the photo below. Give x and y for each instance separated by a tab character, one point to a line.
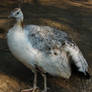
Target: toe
31	90
27	90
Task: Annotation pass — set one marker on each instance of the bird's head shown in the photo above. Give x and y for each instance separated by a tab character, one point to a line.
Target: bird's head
16	13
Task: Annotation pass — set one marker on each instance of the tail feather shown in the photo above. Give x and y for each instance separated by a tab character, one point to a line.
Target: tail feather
87	76
84	76
78	58
76	71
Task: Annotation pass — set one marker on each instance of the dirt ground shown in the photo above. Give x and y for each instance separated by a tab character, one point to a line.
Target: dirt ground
71	16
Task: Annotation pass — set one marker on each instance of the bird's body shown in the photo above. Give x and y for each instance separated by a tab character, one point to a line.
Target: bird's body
45	48
39	47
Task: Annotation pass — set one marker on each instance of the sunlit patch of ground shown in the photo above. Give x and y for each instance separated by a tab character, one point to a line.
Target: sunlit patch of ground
10	84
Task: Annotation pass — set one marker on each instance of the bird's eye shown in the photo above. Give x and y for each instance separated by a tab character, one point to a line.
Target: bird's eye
17	13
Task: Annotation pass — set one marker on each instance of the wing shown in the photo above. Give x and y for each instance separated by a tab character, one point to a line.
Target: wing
45	38
77	56
60	64
49	41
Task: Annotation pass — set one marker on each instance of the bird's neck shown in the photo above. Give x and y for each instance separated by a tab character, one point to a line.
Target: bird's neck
20	23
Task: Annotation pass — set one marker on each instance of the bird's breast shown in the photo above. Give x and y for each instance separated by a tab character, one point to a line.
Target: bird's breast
21	48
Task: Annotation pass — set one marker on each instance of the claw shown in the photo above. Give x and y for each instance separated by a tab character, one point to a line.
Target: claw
27	90
31	90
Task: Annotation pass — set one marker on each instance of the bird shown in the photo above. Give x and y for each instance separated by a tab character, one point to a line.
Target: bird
44	48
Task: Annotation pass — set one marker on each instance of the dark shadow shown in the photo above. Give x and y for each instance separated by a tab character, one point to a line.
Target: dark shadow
70	16
36	2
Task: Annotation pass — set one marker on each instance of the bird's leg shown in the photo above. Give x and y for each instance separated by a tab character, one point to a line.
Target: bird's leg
35	80
34	84
45	82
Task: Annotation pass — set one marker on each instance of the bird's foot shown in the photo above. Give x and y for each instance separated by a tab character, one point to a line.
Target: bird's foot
31	90
27	90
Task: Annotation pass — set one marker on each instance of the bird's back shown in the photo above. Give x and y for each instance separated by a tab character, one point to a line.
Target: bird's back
45	38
